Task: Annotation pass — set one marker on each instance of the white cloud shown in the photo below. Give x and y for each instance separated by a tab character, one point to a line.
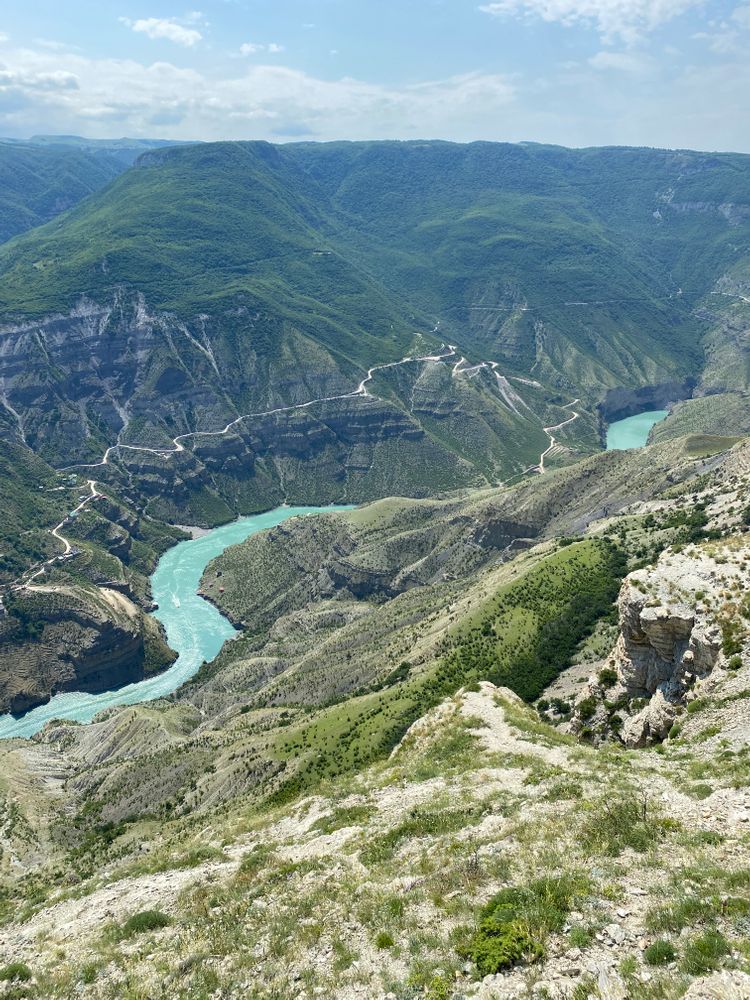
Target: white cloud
30	81
577	103
253	48
728	36
116	97
3	37
625	19
50	43
623	62
163	27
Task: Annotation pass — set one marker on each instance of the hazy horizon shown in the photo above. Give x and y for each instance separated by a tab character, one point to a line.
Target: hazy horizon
667	74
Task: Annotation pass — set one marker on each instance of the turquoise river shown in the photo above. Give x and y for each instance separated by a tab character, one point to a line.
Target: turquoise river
632	432
195	629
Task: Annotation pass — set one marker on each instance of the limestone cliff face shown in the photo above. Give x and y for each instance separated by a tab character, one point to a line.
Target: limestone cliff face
118	372
77	380
625	402
673	618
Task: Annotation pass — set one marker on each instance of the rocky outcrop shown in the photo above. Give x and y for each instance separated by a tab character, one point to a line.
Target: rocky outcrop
727	985
670	642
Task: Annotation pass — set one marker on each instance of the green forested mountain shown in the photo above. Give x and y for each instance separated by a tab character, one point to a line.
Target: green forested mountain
602	252
46	175
586	260
216	281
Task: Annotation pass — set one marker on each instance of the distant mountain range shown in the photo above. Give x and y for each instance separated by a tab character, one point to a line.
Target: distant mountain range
47	174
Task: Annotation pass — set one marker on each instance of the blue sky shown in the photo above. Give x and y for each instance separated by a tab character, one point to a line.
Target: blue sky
578	72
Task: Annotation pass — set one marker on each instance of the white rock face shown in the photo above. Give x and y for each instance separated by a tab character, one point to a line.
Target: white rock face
721	986
669	640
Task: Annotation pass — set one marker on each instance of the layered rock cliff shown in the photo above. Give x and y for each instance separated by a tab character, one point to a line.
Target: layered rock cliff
682	624
239	410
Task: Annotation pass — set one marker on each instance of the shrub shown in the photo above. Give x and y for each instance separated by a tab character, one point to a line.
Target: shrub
696	706
147	920
15	972
703	954
661	952
614	825
735	662
607	677
439	988
384	940
560	706
517	920
674	732
500	946
586	707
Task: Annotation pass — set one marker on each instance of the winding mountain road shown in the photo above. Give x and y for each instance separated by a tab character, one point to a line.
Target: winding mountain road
56	532
556	427
510	397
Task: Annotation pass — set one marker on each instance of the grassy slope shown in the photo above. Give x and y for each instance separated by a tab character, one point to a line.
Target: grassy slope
481	796
380	881
723	413
27	507
522	636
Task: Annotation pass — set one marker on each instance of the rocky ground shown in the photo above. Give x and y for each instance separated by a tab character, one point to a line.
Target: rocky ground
371	888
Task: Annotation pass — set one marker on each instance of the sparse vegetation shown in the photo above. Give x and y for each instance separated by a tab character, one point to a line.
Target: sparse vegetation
660	952
141	923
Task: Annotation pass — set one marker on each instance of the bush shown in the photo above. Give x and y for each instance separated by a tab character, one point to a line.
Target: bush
147	920
614	825
735	662
500	946
15	972
661	952
586	708
607	677
384	940
703	954
516	922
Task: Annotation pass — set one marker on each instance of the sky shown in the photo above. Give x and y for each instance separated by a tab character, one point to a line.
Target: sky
668	73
